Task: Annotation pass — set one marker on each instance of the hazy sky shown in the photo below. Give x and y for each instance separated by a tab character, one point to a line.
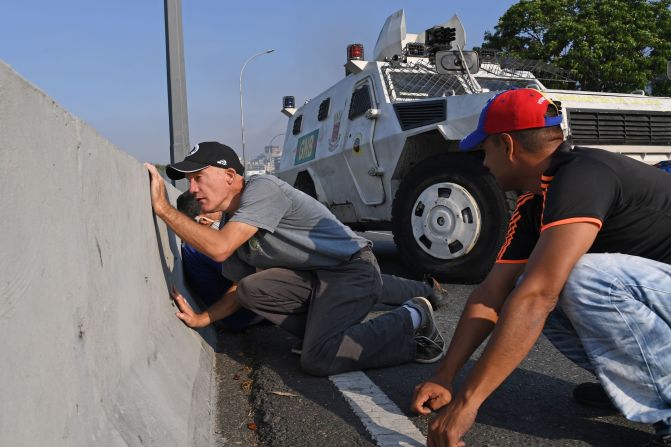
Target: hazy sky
104	61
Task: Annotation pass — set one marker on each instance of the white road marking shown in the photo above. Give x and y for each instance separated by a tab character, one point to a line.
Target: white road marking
381	417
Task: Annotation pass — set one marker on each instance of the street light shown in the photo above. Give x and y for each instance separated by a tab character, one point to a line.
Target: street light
270	143
242	116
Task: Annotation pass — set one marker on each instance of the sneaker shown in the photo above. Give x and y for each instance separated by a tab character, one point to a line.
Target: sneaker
659	441
438	295
297	348
430	344
662	435
593	395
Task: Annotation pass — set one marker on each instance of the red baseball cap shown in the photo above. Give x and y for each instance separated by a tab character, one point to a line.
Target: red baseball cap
519	109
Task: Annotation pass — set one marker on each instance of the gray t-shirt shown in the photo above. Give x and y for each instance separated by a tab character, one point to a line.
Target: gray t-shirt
295	230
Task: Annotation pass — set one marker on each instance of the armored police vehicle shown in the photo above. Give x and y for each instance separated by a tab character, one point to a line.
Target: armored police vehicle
380	147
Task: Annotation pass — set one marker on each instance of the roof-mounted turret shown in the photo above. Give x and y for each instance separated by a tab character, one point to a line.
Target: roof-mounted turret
395	43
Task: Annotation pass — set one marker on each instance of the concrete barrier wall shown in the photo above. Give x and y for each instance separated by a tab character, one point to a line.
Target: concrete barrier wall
91	352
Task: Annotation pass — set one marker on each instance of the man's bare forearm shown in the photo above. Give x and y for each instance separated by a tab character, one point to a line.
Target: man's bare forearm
475	325
478	318
520	325
225	306
204	239
526	310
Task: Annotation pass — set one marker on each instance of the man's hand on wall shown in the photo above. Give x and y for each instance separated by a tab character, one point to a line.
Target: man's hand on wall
159	200
186	312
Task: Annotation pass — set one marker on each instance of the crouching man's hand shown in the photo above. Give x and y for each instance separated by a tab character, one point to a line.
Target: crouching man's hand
454	417
451	424
159	200
187	314
431	395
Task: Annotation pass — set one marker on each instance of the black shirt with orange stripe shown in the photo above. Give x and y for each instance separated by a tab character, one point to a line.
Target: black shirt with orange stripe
629	201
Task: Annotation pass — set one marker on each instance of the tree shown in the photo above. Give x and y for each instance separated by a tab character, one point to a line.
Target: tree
612	45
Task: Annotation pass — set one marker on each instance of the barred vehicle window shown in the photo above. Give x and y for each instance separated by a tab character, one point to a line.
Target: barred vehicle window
323	109
360	101
297	125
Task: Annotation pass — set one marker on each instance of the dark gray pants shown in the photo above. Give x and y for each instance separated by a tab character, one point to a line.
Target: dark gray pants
326	307
397	290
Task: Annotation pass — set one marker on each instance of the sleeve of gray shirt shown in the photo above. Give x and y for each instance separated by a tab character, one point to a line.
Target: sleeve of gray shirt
262	204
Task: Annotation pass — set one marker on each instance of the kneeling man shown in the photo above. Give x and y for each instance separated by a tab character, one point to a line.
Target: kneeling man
297	266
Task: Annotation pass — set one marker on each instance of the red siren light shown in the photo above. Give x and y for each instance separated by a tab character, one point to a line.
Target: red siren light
355	52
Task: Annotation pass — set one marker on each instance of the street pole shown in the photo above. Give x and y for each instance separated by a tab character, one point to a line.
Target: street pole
177	109
242	116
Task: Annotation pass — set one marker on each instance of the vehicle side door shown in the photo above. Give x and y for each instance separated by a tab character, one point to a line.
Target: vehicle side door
358	149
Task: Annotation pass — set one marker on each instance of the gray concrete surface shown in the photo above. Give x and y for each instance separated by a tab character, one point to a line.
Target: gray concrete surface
91	352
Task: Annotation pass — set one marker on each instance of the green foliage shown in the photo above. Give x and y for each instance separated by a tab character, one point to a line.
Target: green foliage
613	45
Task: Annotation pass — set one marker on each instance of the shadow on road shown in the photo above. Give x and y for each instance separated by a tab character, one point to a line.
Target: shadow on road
529	408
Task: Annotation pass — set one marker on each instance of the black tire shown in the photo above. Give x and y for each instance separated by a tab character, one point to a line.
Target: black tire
438	251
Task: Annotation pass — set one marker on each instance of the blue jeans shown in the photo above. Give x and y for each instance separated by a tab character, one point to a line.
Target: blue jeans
614	319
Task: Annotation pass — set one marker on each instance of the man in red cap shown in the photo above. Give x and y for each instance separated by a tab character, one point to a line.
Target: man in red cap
587	261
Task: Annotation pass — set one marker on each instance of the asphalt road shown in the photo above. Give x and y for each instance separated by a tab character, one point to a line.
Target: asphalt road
264	398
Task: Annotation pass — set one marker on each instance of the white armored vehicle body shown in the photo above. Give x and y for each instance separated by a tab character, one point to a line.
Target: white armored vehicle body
380	147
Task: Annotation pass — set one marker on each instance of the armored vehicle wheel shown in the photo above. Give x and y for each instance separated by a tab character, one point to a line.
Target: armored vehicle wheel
449	218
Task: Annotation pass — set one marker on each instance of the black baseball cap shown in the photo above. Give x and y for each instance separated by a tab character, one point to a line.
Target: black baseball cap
202	155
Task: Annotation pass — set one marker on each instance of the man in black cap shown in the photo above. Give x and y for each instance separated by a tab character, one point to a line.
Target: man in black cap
296	265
